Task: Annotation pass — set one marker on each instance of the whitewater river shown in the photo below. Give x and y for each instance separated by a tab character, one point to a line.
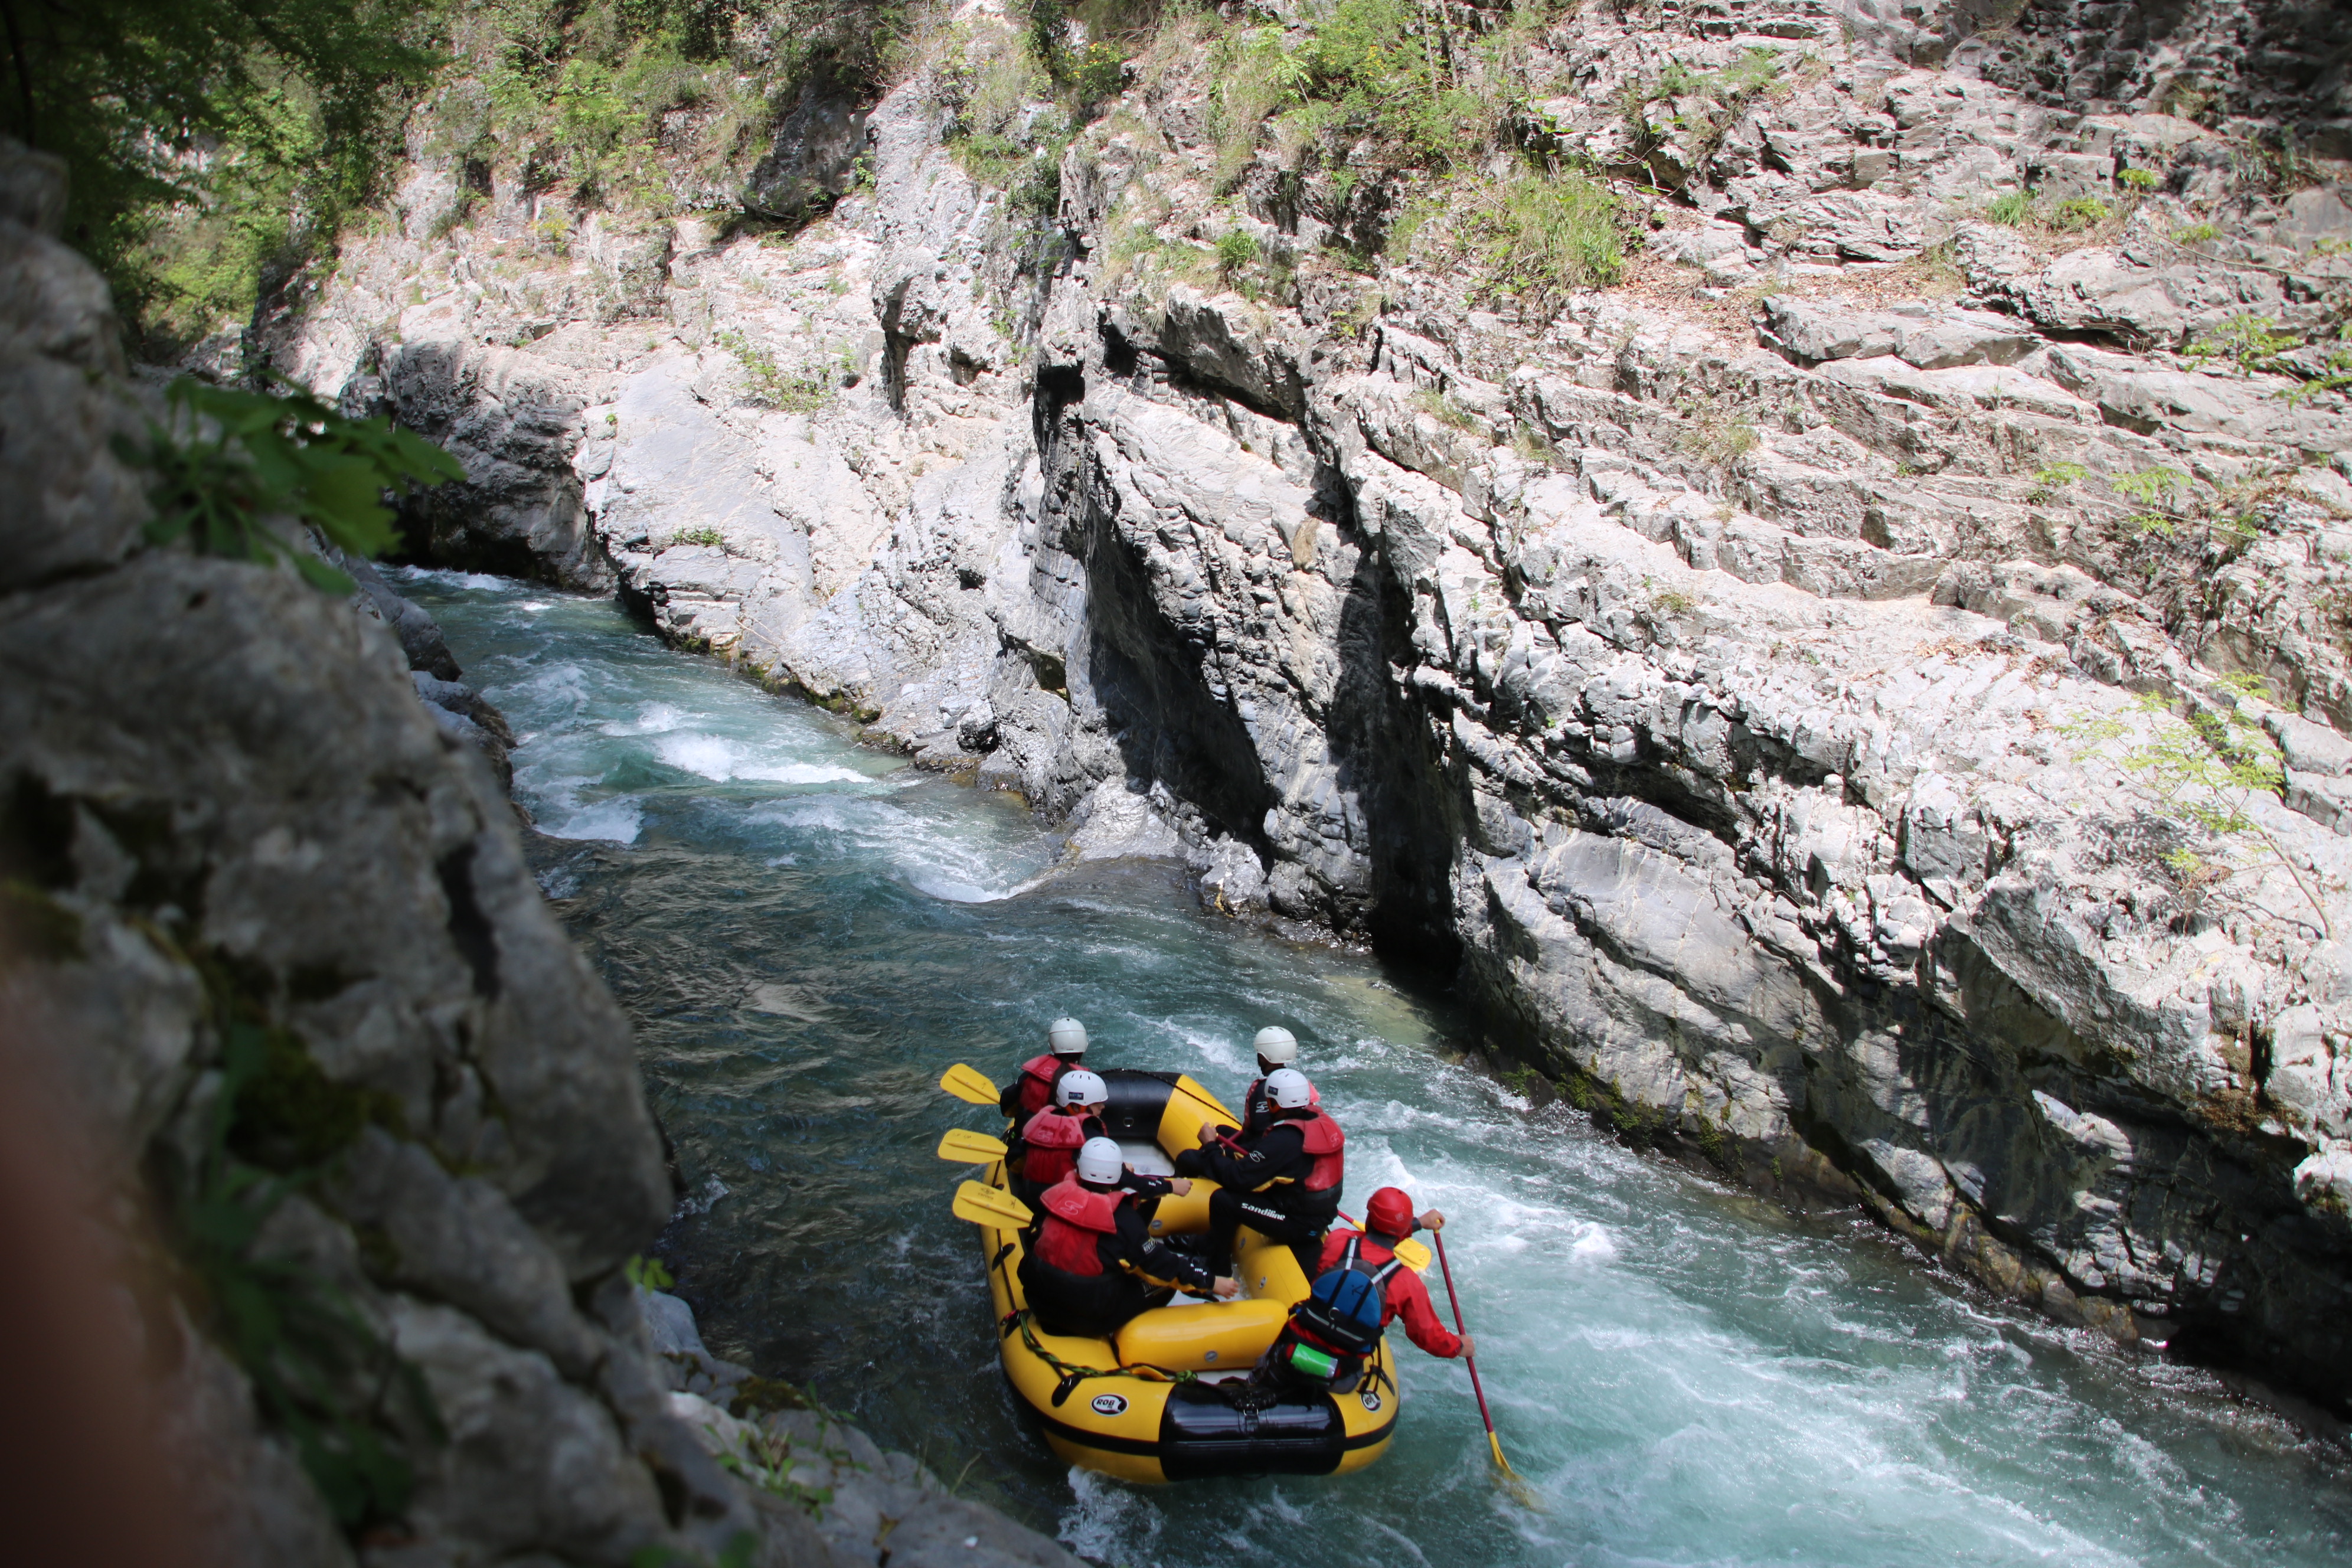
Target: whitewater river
806	933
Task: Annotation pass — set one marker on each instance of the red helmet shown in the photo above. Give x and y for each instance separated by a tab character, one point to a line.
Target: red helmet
1390	1212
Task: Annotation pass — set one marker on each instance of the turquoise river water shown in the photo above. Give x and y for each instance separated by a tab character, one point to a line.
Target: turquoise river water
806	933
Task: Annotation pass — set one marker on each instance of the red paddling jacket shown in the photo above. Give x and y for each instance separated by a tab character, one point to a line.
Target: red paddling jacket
1402	1293
1051	1140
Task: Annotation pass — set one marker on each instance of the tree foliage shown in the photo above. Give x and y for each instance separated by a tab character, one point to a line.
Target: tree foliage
207	139
216	145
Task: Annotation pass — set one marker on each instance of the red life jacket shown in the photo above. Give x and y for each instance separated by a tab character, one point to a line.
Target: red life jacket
1328	1144
1074	1214
1053	1137
1037	1076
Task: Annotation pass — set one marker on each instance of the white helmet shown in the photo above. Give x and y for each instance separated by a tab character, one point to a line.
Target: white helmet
1099	1161
1277	1044
1286	1087
1067	1037
1082	1087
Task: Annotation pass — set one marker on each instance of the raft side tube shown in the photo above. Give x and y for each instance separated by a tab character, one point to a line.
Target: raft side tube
1222	1336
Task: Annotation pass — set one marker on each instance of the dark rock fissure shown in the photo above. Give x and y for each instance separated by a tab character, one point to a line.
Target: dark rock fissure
1168	723
470	928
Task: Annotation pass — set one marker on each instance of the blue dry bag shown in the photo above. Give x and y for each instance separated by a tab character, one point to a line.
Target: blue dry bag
1343	1309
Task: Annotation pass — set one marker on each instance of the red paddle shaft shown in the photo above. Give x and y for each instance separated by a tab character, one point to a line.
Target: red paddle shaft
1470	1362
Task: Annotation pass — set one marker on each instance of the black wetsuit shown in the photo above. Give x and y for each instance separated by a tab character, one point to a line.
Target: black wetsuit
1261	1186
1257	1110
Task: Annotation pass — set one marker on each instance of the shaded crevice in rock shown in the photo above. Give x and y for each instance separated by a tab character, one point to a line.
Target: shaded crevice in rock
1167	718
813	154
469	928
1381	746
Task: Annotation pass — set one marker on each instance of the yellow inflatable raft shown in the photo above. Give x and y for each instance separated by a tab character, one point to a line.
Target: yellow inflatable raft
1119	1405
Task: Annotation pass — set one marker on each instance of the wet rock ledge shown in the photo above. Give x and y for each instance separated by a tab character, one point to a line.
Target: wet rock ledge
267	921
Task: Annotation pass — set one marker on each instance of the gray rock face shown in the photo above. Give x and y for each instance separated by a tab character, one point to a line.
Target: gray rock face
868	1506
228	826
1749	699
518	511
814	156
456	706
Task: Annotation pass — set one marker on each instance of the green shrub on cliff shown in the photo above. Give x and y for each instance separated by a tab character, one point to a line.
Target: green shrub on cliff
771	385
1399	65
2198	777
322	1376
1540	237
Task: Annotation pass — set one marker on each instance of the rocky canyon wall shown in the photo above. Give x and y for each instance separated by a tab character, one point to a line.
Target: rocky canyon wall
359	1136
1795	689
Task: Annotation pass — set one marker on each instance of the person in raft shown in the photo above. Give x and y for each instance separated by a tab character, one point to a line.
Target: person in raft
1095	1263
1361	1287
1389	1219
1276	1048
1050	1142
1284	1183
1032	1088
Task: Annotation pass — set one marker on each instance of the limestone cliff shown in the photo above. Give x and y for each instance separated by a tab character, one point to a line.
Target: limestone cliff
1864	698
365	1134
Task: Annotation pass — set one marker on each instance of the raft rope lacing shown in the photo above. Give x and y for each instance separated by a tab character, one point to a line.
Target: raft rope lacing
1072	1377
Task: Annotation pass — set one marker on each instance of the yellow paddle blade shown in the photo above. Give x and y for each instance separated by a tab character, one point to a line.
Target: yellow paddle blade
970	1148
969	1085
1410	1253
983	1204
1513	1482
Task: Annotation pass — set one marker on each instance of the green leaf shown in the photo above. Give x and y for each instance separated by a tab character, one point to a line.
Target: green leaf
238	469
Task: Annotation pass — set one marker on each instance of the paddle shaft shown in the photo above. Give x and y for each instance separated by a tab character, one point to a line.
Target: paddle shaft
1459	1328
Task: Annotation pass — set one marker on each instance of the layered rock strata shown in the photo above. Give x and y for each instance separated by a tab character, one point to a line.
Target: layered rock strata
366	1133
1745	673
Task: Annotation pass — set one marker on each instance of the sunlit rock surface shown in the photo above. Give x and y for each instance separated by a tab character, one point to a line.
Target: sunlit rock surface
1739	674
